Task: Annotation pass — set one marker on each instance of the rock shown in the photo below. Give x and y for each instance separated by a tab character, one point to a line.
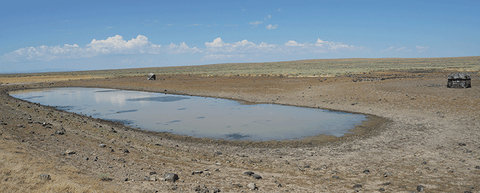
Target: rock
387	183
197	172
462	144
215	190
335	177
278	184
386	174
202	189
153	178
366	171
69	152
151	173
102	145
60	132
477	167
151	76
171	177
252	186
420	188
218	153
237	185
256	176
357	186
381	189
45	177
126	151
248	173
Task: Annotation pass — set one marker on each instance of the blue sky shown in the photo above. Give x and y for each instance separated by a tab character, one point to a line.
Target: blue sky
90	35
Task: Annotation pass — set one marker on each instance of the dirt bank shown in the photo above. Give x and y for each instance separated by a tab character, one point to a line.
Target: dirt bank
431	138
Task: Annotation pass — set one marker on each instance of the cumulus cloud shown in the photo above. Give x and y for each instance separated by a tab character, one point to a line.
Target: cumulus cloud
422	48
267	17
320	46
215	50
255	23
117	45
270	26
181	49
222	56
218	46
332	45
109	46
293	43
243	46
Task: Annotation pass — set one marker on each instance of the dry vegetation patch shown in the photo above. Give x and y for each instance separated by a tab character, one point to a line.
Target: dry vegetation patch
41	78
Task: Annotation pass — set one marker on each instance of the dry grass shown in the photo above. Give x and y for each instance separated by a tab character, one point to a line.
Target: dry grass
300	68
19	172
39	78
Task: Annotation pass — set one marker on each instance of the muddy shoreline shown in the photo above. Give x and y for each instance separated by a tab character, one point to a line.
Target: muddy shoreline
419	133
368	128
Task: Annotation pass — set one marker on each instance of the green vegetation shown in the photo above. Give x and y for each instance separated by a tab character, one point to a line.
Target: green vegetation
316	67
104	176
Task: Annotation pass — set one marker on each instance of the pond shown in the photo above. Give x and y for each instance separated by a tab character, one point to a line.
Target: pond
196	116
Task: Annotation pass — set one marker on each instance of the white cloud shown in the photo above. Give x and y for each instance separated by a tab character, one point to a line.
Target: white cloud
332	45
422	48
255	23
181	49
270	26
117	45
279	9
388	49
267	17
111	45
215	50
218	46
195	24
319	46
293	43
222	56
400	49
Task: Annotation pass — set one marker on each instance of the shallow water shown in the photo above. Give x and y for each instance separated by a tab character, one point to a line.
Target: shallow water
196	116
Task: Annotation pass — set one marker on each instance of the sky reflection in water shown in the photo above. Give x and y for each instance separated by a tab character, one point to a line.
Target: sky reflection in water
196	116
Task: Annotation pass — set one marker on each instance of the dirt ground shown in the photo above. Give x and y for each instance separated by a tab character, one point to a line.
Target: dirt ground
421	136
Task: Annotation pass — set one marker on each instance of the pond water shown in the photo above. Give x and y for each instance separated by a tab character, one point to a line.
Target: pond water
196	116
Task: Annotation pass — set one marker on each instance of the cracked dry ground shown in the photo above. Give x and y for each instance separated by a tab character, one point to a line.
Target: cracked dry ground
431	139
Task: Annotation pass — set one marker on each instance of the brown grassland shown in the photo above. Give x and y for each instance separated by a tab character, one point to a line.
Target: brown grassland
420	134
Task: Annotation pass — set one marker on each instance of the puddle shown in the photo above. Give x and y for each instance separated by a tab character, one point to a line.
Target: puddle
196	116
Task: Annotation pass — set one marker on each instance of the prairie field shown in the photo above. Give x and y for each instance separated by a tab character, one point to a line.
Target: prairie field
300	68
420	135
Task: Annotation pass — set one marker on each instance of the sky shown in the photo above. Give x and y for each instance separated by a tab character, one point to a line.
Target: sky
42	36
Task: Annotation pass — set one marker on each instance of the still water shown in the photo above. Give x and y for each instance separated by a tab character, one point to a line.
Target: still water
196	116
